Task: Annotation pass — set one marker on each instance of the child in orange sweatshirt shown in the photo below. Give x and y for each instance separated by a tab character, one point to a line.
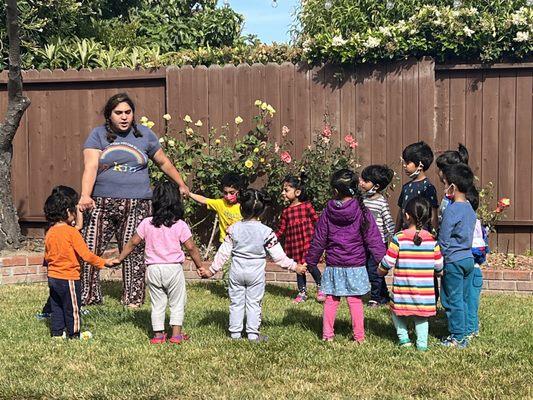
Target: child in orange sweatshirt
63	246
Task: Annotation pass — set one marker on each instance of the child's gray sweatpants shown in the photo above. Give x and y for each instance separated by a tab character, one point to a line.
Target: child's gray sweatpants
246	291
166	283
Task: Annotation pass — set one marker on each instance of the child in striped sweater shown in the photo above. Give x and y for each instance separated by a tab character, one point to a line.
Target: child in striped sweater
374	179
415	256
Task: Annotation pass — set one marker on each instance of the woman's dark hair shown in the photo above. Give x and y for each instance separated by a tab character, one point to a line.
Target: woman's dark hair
58	205
418	152
453	157
380	175
346	183
419	210
253	203
166	204
472	195
298	183
111	104
460	175
233	180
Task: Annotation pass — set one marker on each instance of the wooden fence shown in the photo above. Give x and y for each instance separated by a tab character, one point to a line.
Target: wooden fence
386	107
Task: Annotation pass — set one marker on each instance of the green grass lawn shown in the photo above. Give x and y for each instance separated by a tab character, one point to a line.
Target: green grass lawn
120	363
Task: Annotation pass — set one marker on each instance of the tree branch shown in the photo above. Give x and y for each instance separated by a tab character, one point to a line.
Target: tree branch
17	102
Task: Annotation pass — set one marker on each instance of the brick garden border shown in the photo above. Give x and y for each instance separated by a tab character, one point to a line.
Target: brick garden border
29	269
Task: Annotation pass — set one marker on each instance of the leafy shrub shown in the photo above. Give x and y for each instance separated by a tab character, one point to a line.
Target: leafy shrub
359	31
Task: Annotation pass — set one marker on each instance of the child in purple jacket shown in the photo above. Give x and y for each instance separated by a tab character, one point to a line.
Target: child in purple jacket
347	231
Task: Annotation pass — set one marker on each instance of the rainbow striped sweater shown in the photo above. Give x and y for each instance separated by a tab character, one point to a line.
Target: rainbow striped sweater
413	290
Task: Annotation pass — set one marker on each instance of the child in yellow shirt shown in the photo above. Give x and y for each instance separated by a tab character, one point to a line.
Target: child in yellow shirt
227	208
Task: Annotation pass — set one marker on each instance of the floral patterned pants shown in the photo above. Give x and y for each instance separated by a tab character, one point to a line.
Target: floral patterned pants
119	218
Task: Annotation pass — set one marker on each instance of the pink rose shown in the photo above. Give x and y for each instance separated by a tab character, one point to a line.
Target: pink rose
327	131
349	139
285	156
354	144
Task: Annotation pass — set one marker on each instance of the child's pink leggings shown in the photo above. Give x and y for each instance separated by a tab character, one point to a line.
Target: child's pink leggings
355	305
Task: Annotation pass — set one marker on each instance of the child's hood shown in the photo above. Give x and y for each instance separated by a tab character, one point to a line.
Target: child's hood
343	213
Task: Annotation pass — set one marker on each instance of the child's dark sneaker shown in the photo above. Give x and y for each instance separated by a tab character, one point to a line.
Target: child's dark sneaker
159	339
179	338
373	304
450	341
42	316
302	296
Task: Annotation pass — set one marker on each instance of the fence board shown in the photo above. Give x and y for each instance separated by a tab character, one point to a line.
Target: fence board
302	126
363	114
489	172
379	116
523	160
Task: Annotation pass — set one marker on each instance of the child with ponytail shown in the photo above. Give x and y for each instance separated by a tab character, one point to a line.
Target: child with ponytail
415	256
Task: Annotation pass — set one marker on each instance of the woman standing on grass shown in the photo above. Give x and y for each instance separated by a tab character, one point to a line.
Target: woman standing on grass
116	190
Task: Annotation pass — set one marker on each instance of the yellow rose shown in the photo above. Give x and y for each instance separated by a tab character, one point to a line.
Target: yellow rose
271	109
189	131
187	119
150	124
258	103
217	141
143	120
167	117
171	143
238	120
256	150
262	160
198	123
264	106
249	164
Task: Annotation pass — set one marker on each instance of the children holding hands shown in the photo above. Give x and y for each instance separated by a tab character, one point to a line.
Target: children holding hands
353	231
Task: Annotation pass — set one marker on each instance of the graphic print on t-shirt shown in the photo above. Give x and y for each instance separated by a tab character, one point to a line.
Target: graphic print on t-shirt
122	157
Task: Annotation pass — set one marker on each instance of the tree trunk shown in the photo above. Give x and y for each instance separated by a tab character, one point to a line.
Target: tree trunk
17	103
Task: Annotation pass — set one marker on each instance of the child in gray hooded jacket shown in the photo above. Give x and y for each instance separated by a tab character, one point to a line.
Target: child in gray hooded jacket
248	242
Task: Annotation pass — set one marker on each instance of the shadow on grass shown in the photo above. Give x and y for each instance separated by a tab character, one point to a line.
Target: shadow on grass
379	328
282	291
305	320
216	318
112	289
141	318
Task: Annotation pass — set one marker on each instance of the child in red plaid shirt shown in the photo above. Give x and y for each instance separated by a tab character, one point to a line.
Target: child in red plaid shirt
297	225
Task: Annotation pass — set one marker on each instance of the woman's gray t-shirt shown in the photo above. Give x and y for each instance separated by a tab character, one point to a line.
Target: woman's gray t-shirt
123	165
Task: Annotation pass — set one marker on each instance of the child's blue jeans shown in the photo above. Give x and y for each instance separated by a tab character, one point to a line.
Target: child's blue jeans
472	324
378	287
457	290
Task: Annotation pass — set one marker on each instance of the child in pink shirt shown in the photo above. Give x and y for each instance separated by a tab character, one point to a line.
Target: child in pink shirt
163	234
